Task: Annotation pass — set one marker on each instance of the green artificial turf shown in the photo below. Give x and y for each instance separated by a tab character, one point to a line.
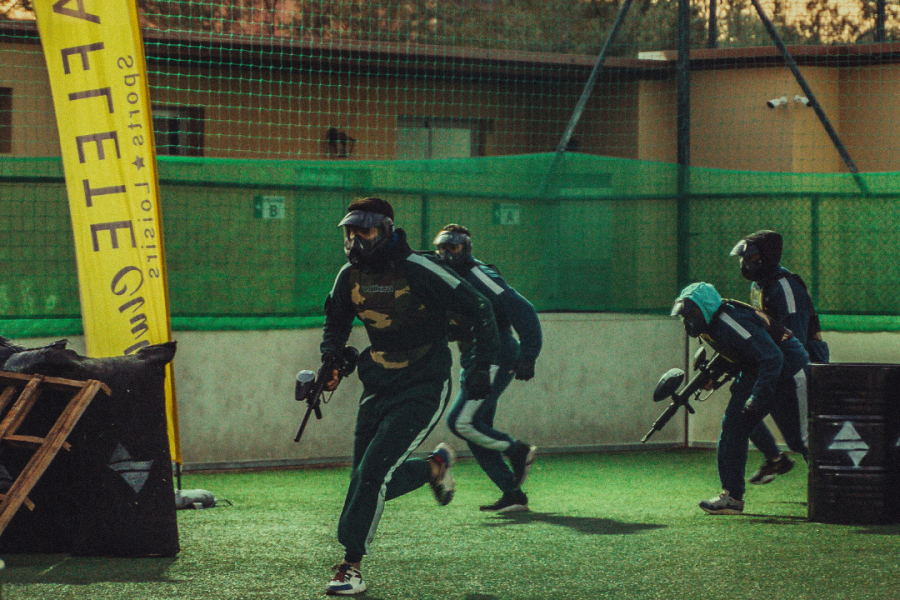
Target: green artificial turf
619	526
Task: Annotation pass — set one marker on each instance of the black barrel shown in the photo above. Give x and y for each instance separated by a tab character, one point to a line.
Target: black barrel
854	459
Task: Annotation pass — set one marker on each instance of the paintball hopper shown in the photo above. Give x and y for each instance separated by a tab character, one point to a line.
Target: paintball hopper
310	387
709	375
668	384
673	378
305	381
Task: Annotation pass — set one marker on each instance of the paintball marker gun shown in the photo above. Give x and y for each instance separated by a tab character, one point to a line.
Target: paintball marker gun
310	386
710	375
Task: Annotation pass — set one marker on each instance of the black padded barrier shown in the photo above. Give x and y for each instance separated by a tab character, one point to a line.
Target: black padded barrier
112	494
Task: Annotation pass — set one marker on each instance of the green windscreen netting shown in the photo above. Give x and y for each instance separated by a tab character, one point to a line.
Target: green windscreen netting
271	116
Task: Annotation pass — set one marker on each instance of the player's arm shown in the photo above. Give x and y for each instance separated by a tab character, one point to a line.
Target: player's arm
442	289
520	313
339	315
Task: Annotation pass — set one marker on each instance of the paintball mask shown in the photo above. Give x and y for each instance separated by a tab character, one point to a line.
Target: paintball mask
358	249
447	237
760	254
691	316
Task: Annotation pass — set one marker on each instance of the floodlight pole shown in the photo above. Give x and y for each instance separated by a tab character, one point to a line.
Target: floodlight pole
880	19
683	127
807	91
712	39
585	95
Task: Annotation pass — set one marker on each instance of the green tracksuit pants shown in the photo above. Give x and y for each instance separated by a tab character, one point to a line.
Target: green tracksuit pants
389	427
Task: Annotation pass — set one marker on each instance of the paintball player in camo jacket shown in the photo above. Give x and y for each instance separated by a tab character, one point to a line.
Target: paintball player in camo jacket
472	419
403	299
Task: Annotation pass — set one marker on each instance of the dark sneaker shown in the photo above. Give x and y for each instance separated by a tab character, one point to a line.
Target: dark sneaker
346	582
520	457
443	485
514	501
723	504
771	468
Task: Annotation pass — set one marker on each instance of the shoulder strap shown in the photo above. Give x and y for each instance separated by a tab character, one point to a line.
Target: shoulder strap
734	302
776	330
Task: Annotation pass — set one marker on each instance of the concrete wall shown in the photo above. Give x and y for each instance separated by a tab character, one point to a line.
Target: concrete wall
592	390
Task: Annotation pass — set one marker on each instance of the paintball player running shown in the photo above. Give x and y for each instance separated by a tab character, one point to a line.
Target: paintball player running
402	299
783	296
473	419
771	380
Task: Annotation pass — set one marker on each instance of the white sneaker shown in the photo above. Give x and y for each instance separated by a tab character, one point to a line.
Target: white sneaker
723	504
346	582
443	484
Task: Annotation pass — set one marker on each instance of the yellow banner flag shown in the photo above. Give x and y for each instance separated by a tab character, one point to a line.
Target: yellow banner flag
98	76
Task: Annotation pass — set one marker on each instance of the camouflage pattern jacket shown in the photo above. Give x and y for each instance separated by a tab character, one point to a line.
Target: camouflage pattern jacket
403	300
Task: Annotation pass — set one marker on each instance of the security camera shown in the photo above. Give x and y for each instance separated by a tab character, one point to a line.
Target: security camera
802	100
776	102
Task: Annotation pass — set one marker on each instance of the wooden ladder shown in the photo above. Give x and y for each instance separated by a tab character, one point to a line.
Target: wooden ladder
45	448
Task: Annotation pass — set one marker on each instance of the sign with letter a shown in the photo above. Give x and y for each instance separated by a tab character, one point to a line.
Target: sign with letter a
98	76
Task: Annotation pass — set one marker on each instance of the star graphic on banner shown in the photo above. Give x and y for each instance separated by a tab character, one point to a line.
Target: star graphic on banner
139	162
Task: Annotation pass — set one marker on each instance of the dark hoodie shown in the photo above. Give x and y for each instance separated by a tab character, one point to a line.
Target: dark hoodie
770	245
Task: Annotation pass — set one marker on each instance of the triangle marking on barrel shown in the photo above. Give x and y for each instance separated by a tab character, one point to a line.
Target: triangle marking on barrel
848	439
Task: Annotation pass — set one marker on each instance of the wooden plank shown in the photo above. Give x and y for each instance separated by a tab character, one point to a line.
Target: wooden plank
26	503
22	406
54	440
5	396
21	379
30	440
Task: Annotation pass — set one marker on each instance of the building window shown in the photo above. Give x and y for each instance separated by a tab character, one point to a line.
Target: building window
431	137
5	120
178	130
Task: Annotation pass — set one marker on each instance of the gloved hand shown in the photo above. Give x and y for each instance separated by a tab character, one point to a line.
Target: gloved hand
478	382
333	357
753	409
336	361
524	370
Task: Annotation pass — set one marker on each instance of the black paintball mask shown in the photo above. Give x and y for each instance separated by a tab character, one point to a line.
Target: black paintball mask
452	238
760	254
691	316
361	251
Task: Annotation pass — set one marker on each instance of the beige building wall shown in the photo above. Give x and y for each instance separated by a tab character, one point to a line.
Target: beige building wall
733	128
34	127
657	114
870	112
294	113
